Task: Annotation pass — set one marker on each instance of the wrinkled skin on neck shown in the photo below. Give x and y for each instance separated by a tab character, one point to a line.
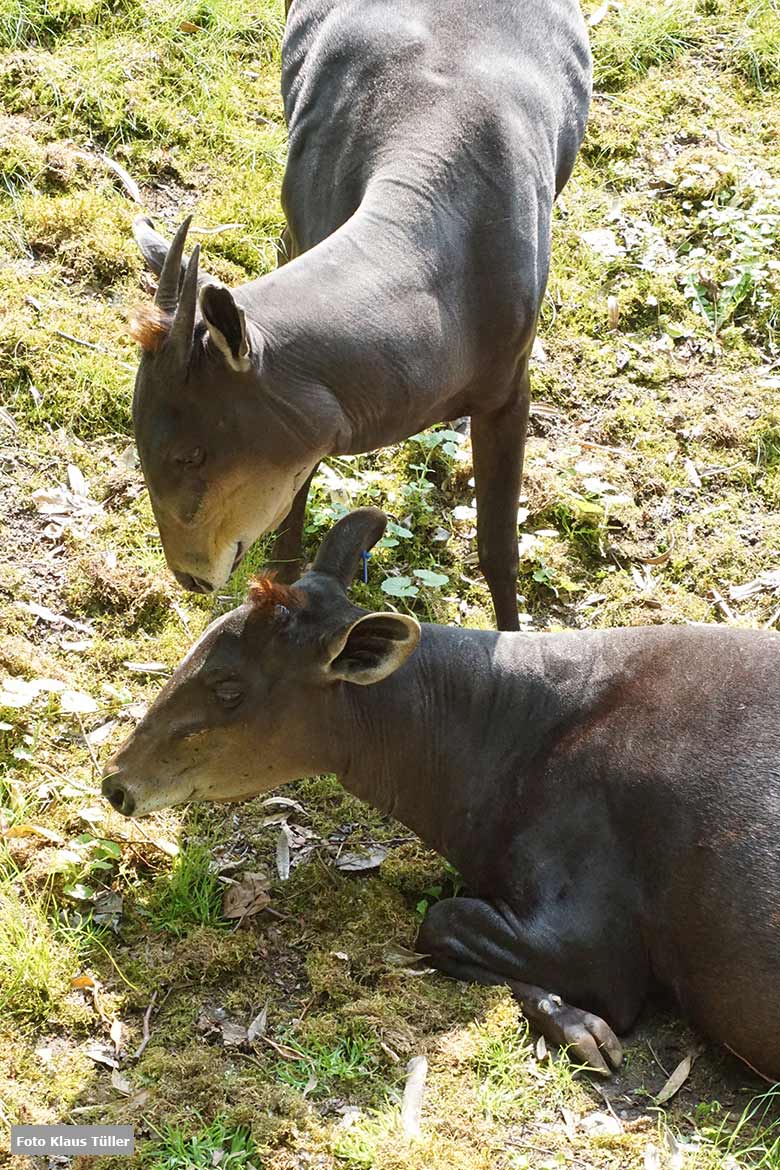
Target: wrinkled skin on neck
425	153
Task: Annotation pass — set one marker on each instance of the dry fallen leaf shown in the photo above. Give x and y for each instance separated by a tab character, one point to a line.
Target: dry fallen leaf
233	1035
258	1026
121	1083
54	619
570	1123
678	1077
138	1099
169	848
396	955
283	853
355	862
284	802
652	1157
604	242
100	734
115	1032
93	815
601	12
599	1124
247	896
76	481
84	982
281	1049
693	475
101	1054
30	830
77	703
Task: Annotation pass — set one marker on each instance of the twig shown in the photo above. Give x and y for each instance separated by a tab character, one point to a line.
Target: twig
214	231
147	1031
151	840
47	768
716	598
89	345
129	183
8	419
752	1067
326	869
309	1002
114	964
283	1050
657	1061
90	748
772	620
78	340
602	447
605	1098
411	1106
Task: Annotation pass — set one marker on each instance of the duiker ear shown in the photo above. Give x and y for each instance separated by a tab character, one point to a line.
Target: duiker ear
372	647
226	324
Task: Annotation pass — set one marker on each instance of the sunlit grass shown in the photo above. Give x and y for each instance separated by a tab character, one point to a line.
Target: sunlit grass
639	36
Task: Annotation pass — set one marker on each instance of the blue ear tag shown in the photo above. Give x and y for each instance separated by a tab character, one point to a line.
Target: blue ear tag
365	557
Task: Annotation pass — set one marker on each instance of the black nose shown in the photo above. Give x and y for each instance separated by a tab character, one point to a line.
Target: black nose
118	796
194	584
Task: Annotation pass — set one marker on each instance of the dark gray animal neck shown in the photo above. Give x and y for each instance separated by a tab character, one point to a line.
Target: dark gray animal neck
431	743
333	332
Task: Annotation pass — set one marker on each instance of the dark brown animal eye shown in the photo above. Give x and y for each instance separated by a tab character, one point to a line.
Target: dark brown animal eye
193	458
228	693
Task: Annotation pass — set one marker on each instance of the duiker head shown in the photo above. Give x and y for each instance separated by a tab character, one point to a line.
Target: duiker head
221	455
260	698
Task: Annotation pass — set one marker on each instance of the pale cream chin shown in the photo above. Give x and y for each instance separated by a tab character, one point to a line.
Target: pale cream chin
158	800
248	521
223	564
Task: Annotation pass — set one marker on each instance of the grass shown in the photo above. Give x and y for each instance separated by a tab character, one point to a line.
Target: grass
660	342
756	53
639	37
190	895
755	1138
215	1145
36	961
324	1068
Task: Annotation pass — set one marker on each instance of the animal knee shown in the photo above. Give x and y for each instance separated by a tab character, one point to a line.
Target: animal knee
499	560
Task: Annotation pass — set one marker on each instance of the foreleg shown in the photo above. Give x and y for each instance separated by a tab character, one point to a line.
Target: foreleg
469	939
287	548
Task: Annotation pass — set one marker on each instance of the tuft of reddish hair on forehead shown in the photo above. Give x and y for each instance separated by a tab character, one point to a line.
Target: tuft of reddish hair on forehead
150	327
265	593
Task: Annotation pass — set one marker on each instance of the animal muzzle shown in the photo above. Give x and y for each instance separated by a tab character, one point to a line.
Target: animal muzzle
196	584
119	796
193	584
